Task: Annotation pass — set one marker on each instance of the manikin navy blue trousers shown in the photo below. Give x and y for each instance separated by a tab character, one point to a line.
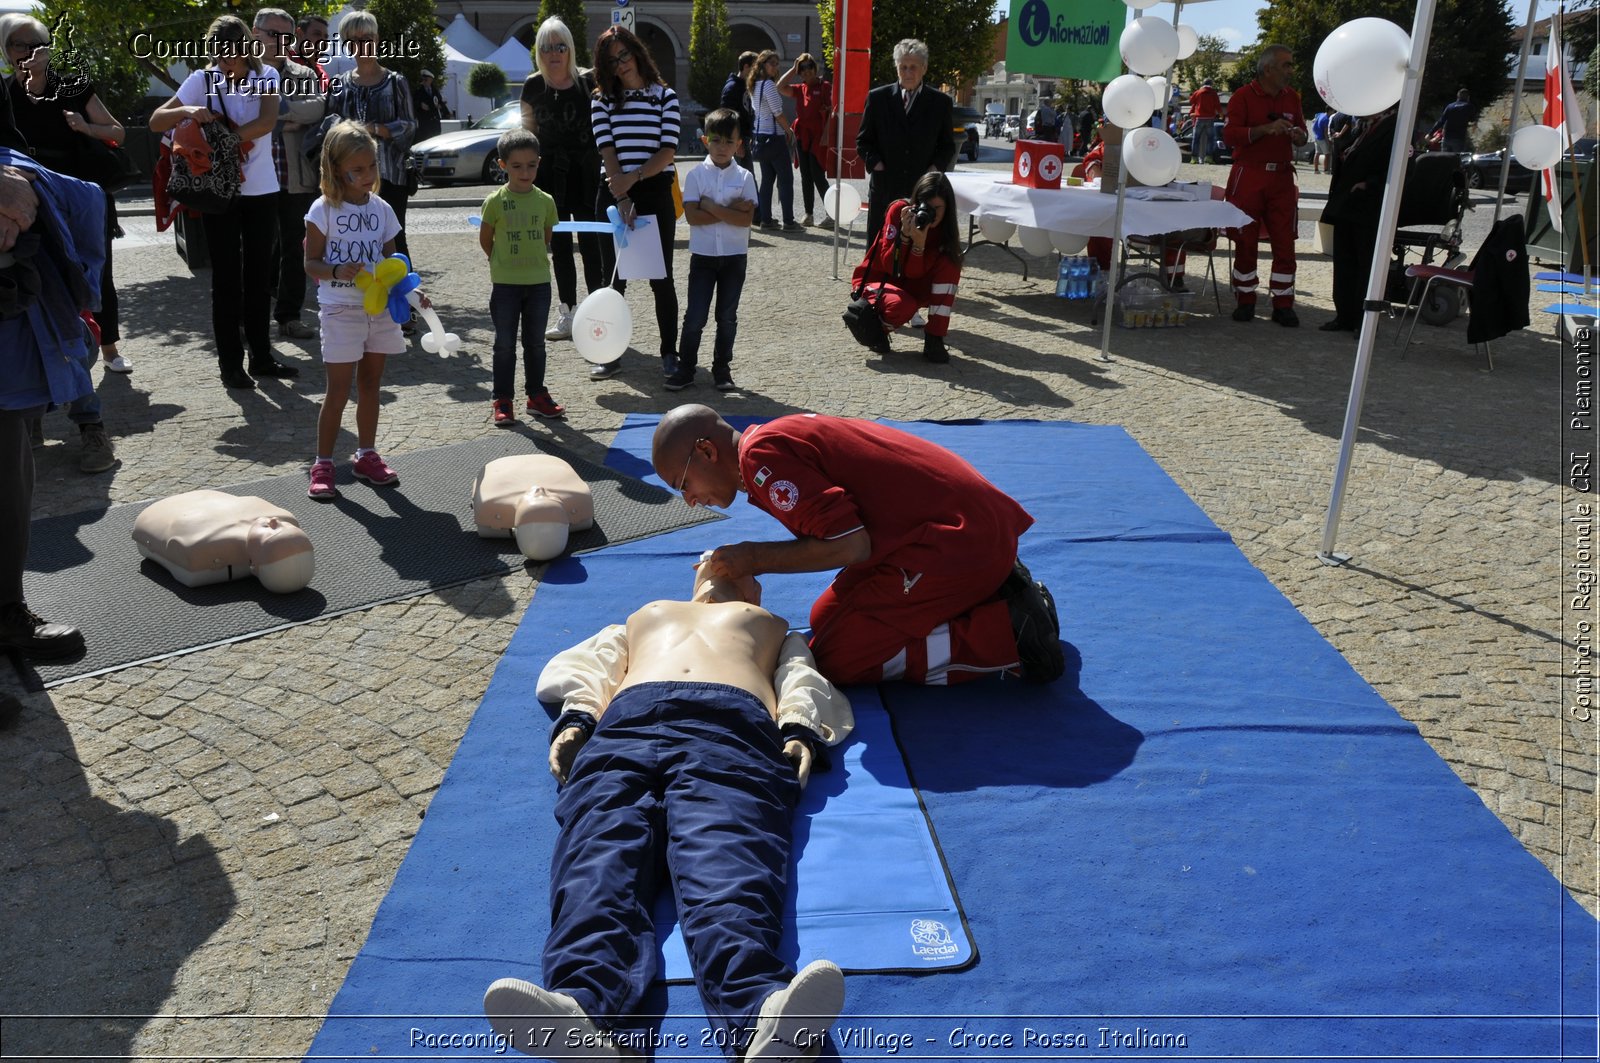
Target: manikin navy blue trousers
693	773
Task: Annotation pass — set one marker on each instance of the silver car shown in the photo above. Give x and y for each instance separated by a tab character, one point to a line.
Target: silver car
467	155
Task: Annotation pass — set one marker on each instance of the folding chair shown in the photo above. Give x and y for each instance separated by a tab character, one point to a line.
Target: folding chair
1154	252
1428	276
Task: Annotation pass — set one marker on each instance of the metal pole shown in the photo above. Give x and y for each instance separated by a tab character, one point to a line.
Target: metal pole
1378	276
1516	107
841	62
1116	250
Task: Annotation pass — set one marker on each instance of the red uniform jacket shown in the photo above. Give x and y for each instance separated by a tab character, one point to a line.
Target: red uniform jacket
1251	106
930	278
1204	103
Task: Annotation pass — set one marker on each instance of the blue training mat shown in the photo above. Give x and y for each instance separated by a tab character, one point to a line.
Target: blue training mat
1211	840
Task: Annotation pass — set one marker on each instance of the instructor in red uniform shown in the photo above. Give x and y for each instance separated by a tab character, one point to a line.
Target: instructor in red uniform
1265	124
931	589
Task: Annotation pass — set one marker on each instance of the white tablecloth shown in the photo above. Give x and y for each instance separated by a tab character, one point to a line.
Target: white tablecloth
1085	211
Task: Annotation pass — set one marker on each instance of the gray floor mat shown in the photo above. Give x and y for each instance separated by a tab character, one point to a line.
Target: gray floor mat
374	544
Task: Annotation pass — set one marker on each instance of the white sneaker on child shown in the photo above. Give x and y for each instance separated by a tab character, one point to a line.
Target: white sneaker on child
562	329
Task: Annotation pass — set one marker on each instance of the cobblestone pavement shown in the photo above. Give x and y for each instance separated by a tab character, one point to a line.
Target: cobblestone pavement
210	835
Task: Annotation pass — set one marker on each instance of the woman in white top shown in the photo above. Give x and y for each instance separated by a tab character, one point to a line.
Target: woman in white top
238	88
771	148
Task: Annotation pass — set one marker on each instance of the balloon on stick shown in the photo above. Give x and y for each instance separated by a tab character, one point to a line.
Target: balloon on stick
1538	147
996	229
1188	40
1149	45
1035	242
849	203
1128	101
1361	68
602	326
1151	156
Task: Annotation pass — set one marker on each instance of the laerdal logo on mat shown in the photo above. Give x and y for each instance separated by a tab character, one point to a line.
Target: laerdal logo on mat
931	939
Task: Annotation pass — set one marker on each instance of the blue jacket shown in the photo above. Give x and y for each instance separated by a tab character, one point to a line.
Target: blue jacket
43	352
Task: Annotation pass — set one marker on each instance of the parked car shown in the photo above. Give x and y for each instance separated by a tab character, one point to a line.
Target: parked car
1483	169
1013	127
969	123
467	155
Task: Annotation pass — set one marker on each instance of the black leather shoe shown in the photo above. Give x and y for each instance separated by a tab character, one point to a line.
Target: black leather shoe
273	367
1286	317
23	631
1035	625
237	378
1244	313
934	350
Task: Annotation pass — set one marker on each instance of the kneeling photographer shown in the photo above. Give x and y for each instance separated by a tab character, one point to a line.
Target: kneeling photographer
914	264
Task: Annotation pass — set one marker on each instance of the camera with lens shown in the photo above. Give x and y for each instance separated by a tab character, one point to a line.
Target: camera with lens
922	214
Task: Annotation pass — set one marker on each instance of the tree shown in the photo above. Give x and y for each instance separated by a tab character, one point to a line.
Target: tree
488	81
710	57
1206	62
571	12
122	44
958	33
1470	46
409	36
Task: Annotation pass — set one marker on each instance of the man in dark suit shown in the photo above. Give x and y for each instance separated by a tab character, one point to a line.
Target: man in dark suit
1355	198
905	132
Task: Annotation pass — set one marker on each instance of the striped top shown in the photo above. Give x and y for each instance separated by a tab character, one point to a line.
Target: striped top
647	121
767	105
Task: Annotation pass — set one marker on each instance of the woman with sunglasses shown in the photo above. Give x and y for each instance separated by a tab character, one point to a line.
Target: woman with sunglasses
813	96
555	108
771	148
636	124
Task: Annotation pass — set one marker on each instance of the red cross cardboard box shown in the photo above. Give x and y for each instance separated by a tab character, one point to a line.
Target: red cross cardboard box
1037	164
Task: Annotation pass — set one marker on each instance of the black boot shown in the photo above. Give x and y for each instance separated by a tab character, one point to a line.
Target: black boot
1035	625
934	350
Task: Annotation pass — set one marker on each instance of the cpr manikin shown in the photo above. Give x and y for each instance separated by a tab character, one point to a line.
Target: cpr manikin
205	537
534	498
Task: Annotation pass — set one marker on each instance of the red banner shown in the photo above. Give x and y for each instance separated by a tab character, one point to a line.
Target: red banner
852	75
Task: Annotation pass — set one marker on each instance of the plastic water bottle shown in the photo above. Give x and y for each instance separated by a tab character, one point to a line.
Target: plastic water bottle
1083	278
1064	278
1095	282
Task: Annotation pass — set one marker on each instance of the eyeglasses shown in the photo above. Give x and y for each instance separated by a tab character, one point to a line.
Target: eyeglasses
553	49
26	46
620	56
694	448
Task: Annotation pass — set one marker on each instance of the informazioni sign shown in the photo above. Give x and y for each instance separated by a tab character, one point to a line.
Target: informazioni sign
1065	38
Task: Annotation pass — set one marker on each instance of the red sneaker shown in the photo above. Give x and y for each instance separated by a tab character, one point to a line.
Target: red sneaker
503	417
322	481
374	470
544	406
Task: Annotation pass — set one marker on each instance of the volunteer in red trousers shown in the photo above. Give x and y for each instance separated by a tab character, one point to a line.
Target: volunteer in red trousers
931	590
1265	124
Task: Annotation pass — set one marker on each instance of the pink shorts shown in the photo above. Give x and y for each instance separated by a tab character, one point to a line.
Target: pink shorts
348	332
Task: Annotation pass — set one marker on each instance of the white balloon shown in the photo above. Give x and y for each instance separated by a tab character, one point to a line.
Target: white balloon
1361	68
1140	5
1149	45
1188	40
1069	243
1158	85
849	202
1538	147
602	326
1034	241
1152	156
1128	101
437	341
996	229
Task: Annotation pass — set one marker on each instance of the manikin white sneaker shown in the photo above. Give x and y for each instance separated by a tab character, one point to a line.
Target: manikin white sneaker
918	321
794	1021
544	1024
562	329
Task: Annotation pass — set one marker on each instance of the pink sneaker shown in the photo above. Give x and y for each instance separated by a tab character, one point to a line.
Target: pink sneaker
322	481
374	470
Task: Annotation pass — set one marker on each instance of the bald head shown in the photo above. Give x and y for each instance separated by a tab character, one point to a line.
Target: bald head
687	431
679	428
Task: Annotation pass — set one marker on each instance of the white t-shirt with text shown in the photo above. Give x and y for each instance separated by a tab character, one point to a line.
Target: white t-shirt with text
356	232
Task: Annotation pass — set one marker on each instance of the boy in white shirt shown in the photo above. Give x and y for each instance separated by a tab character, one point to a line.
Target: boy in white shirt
719	202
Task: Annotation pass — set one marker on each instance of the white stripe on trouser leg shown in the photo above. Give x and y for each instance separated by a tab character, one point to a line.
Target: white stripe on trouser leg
1285	280
942	289
1238	276
938	642
895	667
938	311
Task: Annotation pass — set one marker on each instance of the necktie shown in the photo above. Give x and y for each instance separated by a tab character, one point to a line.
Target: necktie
908	97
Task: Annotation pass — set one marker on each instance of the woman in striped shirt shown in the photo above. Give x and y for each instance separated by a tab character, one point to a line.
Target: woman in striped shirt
635	118
771	148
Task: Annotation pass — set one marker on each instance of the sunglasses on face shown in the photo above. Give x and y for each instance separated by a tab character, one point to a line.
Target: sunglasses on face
553	49
26	46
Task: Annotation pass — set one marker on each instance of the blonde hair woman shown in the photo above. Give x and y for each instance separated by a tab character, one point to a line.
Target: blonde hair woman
238	88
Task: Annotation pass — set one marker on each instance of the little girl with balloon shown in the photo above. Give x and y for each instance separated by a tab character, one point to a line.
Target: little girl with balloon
349	229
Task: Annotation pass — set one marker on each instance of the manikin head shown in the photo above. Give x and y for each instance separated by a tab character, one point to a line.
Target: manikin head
709	588
280	554
541	525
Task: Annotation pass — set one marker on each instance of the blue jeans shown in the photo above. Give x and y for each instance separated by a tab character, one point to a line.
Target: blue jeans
772	151
1202	144
724	275
509	305
86	408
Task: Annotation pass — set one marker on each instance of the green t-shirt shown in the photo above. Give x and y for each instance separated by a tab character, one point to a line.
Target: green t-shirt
520	223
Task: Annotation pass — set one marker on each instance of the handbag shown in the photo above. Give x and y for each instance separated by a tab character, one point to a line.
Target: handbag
106	164
207	168
677	194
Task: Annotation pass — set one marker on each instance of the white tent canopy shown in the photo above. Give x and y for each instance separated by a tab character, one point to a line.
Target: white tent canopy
514	58
464	37
453	85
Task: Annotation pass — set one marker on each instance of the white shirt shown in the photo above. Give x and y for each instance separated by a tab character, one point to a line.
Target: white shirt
356	233
724	186
241	102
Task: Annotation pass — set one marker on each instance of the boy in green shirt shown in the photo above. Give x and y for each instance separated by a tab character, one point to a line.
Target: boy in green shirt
515	235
